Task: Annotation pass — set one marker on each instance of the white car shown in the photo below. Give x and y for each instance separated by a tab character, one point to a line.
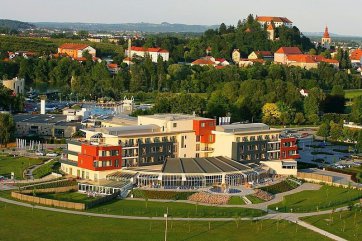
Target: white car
52	154
39	153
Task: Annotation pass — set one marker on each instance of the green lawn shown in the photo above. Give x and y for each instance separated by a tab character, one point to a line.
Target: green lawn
350	94
254	199
52	166
175	209
17	165
326	198
68	196
236	200
347	224
26	224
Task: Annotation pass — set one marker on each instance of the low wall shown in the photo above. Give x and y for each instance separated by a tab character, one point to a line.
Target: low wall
51	190
102	200
48	202
315	177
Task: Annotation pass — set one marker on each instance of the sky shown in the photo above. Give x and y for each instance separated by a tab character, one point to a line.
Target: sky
309	15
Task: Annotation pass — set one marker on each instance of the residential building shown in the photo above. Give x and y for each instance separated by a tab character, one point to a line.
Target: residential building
265	55
304	92
17	85
308	61
278	21
210	61
113	68
153	53
45	126
235	56
280	56
356	57
326	39
75	50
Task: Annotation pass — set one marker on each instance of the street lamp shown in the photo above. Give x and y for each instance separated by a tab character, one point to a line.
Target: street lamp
165	216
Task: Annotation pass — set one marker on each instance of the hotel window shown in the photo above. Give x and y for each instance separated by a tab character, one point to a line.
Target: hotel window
203	124
211	138
211	123
197	138
95	164
237	139
116	163
174	125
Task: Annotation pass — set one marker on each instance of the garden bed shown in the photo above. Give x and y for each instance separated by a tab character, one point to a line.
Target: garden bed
280	187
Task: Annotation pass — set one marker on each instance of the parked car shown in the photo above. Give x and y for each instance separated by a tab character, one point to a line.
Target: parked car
52	154
39	153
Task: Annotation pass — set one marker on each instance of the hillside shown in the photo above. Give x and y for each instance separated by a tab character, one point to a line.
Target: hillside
141	27
14	25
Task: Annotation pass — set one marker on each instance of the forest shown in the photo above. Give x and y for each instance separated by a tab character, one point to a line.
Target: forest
268	92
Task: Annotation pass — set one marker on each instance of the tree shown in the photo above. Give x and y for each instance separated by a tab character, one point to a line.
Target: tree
359	142
336	131
299	118
7	128
356	113
271	113
323	130
222	29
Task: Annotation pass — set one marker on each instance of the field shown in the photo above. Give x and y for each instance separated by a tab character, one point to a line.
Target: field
27	224
326	198
350	94
17	165
68	197
175	209
347	224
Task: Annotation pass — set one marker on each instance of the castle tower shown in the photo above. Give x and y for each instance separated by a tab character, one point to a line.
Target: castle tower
271	31
326	39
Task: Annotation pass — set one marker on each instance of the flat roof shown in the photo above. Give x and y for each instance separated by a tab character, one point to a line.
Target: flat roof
202	165
175	117
133	129
40	119
243	128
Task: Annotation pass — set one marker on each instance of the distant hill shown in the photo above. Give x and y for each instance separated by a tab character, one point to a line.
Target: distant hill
14	25
141	27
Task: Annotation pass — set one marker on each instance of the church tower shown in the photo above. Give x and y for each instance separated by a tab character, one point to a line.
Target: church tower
326	40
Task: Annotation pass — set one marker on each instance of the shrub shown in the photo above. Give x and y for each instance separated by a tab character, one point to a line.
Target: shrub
283	186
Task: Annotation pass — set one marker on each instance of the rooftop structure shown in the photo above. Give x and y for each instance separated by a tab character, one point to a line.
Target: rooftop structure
75	50
278	21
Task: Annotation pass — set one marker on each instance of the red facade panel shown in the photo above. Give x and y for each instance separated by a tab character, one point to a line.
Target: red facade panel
204	128
289	148
90	153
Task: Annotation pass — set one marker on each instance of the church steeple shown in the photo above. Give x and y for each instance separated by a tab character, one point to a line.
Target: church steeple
326	39
326	33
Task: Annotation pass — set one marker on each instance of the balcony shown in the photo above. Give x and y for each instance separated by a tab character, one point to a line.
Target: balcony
68	162
206	149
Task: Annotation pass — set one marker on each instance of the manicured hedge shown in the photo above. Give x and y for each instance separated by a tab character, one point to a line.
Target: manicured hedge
168	195
62	183
283	186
